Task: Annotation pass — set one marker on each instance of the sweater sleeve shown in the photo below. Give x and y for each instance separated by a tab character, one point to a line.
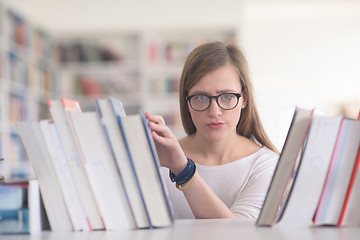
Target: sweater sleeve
249	200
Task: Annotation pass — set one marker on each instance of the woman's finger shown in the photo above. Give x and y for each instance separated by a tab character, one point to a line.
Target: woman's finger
163	129
158	119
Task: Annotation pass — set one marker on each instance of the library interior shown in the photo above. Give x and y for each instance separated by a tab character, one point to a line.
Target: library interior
301	54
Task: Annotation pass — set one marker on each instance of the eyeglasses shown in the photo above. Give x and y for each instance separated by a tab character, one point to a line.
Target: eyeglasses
226	101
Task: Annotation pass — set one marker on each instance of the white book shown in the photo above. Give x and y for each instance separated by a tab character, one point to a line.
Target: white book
34	205
350	216
64	176
283	177
339	173
101	169
109	110
59	116
147	166
311	175
39	157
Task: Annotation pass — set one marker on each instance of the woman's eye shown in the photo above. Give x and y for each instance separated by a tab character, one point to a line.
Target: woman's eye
227	96
201	98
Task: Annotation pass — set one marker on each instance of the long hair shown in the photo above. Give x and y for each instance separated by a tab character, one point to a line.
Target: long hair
207	58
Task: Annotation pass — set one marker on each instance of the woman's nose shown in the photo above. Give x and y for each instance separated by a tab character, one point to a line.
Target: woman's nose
214	109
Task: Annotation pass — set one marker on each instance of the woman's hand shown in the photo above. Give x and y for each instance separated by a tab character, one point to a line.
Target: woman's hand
202	200
168	148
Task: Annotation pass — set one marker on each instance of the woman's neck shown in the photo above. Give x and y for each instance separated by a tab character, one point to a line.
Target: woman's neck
213	153
210	153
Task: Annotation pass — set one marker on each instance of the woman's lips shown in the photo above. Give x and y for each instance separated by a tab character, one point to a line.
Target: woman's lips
215	125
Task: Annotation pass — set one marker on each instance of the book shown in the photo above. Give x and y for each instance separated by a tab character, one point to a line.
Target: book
59	110
20	207
312	171
39	157
64	176
285	172
99	164
339	174
350	213
109	110
139	142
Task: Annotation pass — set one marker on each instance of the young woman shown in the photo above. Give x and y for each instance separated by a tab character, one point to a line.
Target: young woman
223	167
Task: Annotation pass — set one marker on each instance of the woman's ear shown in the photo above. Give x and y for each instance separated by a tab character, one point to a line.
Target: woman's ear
244	102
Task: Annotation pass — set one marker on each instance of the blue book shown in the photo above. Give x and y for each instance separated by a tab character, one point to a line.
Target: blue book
20	207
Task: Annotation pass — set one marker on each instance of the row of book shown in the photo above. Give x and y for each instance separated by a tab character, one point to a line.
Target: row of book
19	70
171	52
164	85
316	181
86	52
97	170
92	85
22	37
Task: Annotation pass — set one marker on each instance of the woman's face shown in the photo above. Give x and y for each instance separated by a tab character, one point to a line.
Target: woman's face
214	123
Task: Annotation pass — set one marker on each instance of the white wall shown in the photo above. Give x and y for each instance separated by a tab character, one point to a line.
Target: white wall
301	53
63	16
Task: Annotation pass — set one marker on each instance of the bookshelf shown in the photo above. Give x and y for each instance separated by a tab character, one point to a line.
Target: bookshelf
144	73
99	65
27	78
140	67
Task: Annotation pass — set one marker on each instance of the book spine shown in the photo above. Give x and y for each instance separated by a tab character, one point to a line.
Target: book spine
350	188
106	131
323	203
60	113
133	168
157	163
108	138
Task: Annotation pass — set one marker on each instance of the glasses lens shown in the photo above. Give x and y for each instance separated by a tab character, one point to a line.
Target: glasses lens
228	100
200	102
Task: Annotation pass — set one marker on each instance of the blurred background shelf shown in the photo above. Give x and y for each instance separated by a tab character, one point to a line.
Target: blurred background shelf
301	53
28	77
141	68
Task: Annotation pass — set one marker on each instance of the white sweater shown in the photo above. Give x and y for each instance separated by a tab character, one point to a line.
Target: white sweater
242	185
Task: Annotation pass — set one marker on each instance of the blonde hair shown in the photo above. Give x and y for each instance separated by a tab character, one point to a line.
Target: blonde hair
207	58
